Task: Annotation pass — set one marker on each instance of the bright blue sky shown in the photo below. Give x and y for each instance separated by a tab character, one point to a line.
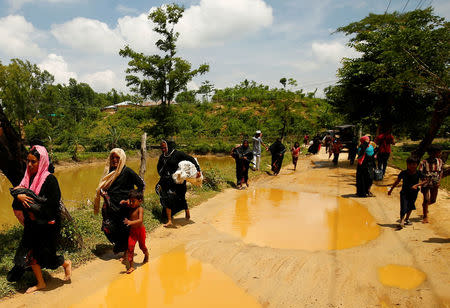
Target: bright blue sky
261	40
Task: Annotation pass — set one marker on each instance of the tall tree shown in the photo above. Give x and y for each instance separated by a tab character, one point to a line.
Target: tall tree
21	85
206	89
163	74
403	70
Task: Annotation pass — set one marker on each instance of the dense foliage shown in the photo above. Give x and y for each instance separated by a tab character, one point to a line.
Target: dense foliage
402	75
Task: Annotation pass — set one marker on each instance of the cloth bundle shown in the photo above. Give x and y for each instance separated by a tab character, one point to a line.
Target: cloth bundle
187	172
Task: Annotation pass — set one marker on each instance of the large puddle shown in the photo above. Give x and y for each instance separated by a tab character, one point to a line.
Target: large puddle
78	183
297	220
403	277
172	280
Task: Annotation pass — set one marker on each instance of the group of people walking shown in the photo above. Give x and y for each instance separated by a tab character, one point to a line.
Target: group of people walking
38	207
246	157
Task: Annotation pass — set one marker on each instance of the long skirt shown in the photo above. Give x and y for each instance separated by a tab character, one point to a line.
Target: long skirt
173	197
364	179
114	228
277	161
242	167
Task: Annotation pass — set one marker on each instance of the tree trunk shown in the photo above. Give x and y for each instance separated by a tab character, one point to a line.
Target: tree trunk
12	151
142	168
441	110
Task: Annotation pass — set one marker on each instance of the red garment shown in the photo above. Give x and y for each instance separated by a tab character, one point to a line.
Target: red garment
295	151
136	235
384	142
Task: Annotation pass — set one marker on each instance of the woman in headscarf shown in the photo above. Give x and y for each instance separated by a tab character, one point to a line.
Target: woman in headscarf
243	155
365	168
116	183
41	219
172	195
277	150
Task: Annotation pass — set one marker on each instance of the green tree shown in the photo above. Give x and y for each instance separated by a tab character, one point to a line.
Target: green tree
206	89
163	75
187	96
21	85
402	73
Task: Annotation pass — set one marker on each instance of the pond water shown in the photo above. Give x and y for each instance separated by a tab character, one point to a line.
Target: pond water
78	183
399	276
297	220
173	280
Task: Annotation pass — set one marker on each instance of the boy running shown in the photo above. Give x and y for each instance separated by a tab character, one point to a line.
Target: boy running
137	230
408	195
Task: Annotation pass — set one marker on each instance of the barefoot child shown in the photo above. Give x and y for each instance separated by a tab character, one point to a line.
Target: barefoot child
408	195
432	170
137	229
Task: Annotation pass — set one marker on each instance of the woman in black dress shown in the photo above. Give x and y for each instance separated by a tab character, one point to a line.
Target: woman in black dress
172	195
116	183
37	207
277	149
243	155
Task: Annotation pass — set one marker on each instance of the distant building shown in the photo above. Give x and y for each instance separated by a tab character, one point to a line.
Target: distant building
114	108
126	104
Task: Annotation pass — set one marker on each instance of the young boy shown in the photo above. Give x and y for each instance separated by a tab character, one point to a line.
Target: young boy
408	195
432	170
137	229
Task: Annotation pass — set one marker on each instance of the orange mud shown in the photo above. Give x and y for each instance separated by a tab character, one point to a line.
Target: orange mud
299	239
297	220
172	280
403	277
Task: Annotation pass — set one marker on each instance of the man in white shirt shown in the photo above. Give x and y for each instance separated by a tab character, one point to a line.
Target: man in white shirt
257	141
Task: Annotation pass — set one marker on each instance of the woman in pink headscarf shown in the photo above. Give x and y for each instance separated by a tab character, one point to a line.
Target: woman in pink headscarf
37	207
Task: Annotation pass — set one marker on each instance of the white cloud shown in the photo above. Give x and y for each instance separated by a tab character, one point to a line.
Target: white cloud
104	81
138	32
209	23
88	35
57	66
214	22
331	52
17	37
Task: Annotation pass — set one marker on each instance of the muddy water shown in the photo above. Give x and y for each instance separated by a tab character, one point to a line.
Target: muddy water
78	183
297	220
172	280
403	277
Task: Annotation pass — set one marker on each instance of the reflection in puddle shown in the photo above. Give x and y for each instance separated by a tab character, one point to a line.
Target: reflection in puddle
403	277
297	220
172	280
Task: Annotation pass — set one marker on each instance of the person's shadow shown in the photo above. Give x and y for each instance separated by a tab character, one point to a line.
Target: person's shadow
182	222
437	240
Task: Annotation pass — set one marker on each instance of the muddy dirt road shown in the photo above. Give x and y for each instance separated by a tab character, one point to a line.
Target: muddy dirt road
300	239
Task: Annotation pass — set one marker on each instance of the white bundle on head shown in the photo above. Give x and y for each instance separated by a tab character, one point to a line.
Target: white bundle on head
187	172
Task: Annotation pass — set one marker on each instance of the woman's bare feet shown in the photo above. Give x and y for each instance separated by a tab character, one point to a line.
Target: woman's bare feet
67	270
169	224
425	220
130	270
36	288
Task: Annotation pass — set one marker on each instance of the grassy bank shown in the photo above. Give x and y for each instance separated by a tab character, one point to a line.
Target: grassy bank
94	243
401	153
